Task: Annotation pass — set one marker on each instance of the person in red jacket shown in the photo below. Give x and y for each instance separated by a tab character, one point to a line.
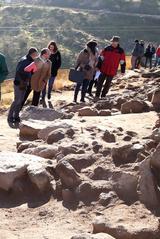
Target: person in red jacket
157	56
108	64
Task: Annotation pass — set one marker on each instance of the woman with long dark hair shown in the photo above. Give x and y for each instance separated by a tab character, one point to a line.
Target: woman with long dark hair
55	58
86	62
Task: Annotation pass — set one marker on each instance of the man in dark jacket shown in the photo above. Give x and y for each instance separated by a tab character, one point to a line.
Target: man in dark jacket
108	64
3	70
20	84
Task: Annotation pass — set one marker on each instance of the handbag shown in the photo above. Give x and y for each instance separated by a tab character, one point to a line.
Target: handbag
76	76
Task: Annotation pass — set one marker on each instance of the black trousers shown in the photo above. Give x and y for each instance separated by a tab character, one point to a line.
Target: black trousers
35	99
103	78
84	86
150	62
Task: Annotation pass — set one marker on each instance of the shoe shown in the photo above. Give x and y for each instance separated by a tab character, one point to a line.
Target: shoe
83	101
17	120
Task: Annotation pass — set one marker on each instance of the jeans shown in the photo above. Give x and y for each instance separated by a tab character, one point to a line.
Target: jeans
50	87
17	103
157	61
84	86
108	81
27	93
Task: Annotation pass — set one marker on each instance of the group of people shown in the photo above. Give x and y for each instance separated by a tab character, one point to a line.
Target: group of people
33	73
37	71
141	55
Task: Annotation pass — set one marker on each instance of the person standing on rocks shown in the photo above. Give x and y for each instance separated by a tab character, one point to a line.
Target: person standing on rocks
55	58
139	61
3	70
86	62
21	81
150	51
108	64
41	68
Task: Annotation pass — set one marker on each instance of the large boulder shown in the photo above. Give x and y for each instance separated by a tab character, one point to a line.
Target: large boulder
43	114
134	106
92	236
15	166
147	187
125	186
87	111
128	222
126	153
104	105
30	129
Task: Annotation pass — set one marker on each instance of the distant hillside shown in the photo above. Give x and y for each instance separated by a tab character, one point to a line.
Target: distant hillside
24	26
139	6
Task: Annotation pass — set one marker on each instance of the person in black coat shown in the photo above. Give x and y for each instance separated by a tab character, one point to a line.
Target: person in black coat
150	51
21	83
55	58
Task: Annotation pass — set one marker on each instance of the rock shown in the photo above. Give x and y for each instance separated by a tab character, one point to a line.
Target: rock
80	161
156	135
39	177
68	175
126	153
92	236
156	99
30	129
42	114
150	74
104	105
55	136
89	191
109	137
127	138
25	145
44	151
67	195
128	222
134	106
155	158
70	149
87	111
106	199
125	186
15	166
104	113
147	189
43	134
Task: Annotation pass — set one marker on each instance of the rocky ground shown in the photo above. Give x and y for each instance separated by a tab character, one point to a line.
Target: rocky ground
85	171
